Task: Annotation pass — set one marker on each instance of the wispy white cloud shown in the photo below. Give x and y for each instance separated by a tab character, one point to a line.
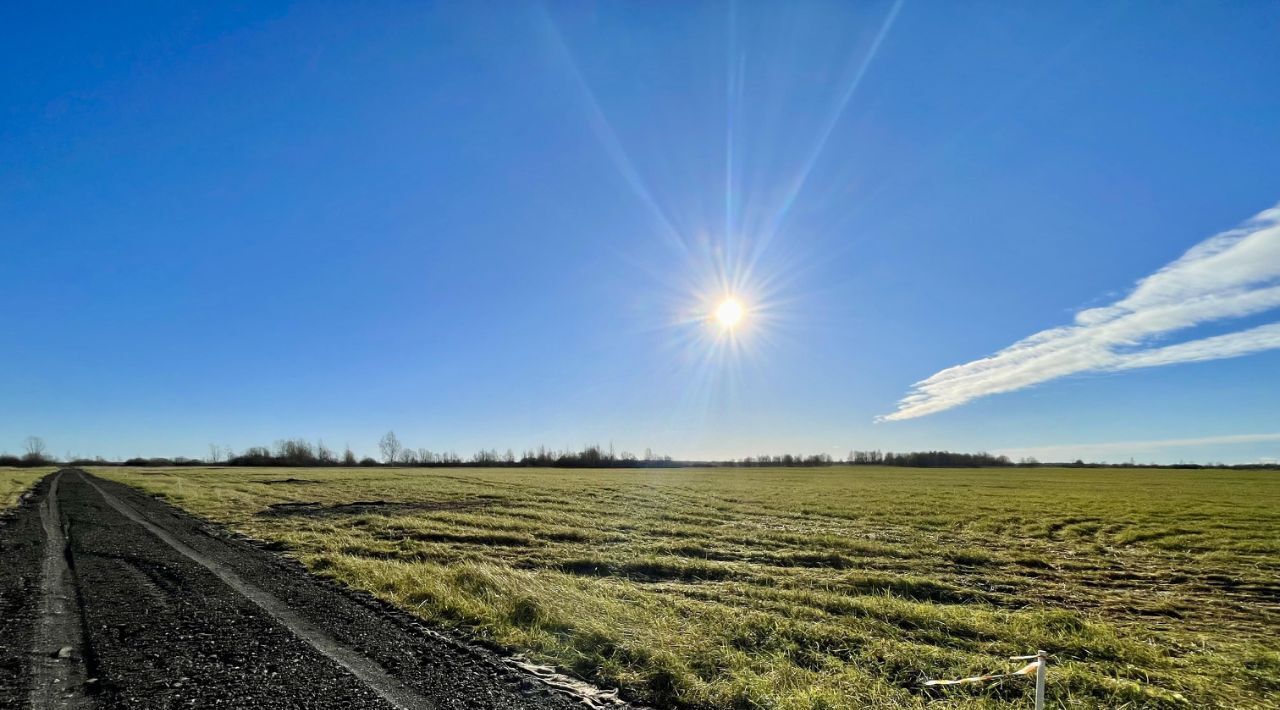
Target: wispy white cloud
1127	448
1229	275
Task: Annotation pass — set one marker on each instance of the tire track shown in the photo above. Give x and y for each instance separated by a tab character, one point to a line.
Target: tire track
368	672
59	670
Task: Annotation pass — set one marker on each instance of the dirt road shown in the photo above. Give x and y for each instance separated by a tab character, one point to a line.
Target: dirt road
111	599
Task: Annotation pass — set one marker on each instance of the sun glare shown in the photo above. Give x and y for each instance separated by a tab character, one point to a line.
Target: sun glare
729	313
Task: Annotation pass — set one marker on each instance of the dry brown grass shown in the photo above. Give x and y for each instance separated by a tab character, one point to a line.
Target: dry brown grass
809	588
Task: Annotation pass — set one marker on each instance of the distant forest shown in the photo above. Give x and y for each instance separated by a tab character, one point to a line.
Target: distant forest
300	453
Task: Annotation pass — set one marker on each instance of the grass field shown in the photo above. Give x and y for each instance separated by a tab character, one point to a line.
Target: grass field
13	481
808	588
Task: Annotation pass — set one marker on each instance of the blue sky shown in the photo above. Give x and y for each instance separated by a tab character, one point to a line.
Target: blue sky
504	226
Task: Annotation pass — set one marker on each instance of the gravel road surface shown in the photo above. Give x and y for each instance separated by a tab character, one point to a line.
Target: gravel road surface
112	599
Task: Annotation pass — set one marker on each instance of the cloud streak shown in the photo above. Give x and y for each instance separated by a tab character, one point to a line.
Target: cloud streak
1067	451
1233	274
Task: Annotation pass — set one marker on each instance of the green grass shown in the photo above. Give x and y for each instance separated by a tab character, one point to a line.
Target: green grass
809	588
14	481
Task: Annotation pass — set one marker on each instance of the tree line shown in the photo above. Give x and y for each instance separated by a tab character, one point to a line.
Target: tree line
34	453
933	459
303	453
299	452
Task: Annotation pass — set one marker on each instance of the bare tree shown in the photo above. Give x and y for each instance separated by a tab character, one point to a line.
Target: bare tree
35	449
324	454
348	456
215	453
390	447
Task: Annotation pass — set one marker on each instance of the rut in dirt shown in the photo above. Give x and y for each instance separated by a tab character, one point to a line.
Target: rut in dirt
59	677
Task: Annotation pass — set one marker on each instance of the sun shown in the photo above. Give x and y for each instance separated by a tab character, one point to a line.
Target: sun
729	313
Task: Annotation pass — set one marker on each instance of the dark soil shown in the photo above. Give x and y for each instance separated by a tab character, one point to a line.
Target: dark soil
316	510
21	543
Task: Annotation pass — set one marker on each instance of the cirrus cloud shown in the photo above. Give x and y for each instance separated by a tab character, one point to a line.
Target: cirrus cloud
1229	275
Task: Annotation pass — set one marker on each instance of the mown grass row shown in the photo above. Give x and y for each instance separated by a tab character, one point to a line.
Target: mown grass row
831	588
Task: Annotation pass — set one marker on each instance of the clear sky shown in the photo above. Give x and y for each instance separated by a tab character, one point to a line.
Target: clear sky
1035	228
